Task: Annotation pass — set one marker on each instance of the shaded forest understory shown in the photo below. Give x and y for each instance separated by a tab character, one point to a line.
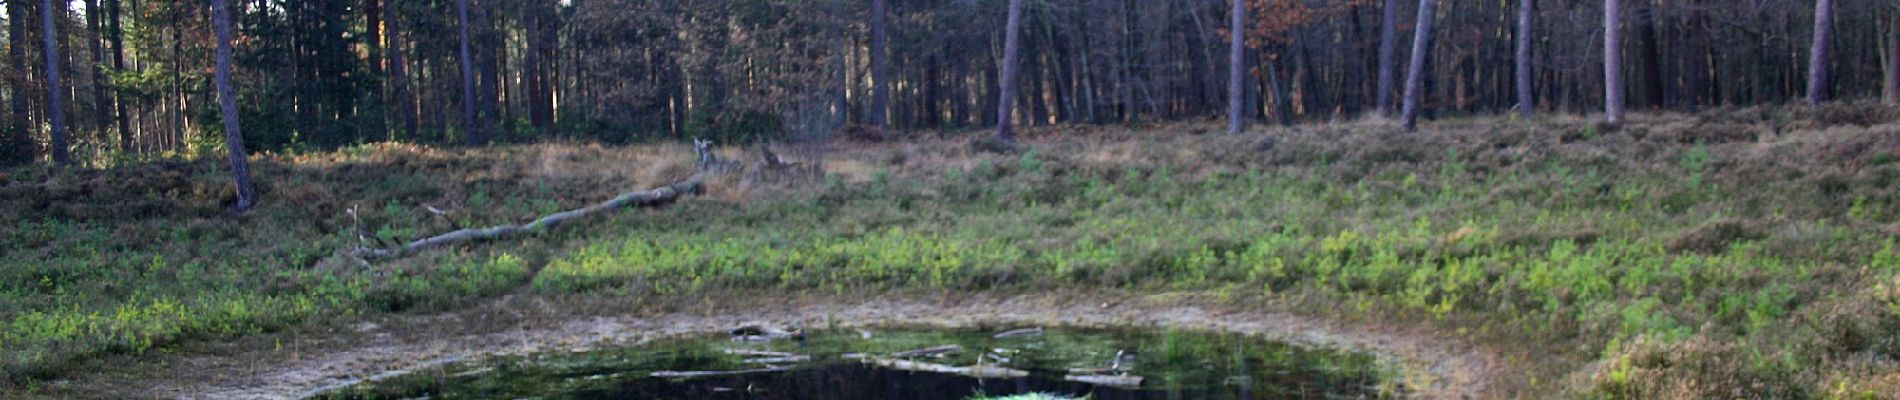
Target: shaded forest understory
1741	252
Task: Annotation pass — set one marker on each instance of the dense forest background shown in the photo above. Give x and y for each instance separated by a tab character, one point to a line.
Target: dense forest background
315	74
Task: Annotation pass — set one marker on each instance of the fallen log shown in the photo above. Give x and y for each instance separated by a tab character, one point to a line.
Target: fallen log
696	374
974	371
1120	381
1092	371
646	198
933	351
777	360
761	332
1018	333
758	353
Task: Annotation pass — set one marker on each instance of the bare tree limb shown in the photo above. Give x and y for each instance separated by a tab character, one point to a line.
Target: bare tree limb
645	198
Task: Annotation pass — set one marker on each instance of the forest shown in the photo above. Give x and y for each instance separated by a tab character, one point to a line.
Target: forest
1484	198
313	75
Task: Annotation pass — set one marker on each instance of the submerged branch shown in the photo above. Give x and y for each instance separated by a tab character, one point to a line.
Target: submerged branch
974	371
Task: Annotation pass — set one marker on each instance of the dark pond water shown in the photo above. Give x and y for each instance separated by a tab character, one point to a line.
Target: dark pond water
844	365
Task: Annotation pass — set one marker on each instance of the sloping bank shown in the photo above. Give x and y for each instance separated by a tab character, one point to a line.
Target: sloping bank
1431	366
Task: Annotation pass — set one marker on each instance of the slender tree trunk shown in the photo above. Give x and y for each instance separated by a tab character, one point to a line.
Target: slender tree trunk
490	106
56	102
1085	69
373	35
1891	92
840	106
1006	85
227	103
1415	73
1282	101
1388	54
468	80
117	33
177	102
1526	100
1652	57
401	102
1613	61
547	62
1818	54
102	109
18	146
880	67
1236	70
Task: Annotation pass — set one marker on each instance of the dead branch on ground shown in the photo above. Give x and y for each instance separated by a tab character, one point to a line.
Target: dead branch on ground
655	197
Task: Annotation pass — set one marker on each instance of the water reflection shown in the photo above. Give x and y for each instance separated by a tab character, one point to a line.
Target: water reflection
1171	366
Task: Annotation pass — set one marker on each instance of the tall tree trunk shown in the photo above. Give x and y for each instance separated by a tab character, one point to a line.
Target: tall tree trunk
373	35
1652	57
18	141
1817	55
1006	85
540	63
1613	61
1526	100
1085	69
490	105
401	102
1282	101
55	100
470	131
840	106
102	109
1236	70
227	103
116	32
1415	73
531	63
1388	54
1891	88
880	67
176	138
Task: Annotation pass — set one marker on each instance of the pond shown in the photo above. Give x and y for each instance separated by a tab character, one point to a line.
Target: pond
920	364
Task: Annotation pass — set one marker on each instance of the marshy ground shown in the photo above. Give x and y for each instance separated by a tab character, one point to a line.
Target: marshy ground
1738	253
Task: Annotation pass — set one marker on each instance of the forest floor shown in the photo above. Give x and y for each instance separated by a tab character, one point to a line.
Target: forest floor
1732	253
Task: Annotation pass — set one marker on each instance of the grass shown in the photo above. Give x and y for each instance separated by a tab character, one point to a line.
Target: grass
1735	253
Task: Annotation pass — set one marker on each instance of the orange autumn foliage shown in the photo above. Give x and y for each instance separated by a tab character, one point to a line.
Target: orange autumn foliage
1273	19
